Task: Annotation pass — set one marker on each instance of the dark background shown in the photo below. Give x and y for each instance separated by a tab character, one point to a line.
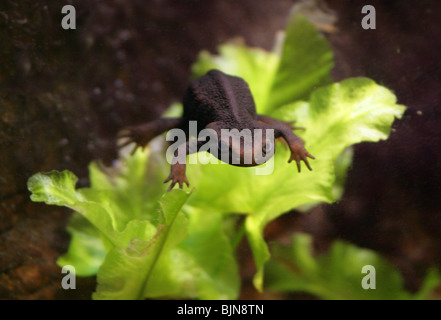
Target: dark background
64	94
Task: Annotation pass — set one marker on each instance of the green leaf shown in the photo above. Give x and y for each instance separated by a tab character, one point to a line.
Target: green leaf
341	166
144	254
127	269
276	79
113	199
203	264
305	64
213	252
58	188
130	183
86	249
57	191
337	274
254	65
355	110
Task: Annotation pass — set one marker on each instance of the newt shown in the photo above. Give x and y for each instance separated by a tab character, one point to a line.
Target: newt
219	101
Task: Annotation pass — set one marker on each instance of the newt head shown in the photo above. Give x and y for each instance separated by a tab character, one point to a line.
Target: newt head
245	148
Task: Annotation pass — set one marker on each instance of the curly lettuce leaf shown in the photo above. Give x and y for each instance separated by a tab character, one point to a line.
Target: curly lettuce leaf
87	248
305	63
58	188
276	79
129	266
137	239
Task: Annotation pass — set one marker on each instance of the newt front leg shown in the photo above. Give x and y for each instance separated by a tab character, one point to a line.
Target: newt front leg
177	170
142	134
298	151
177	175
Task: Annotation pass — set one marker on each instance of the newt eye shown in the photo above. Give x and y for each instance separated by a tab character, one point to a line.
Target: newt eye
267	147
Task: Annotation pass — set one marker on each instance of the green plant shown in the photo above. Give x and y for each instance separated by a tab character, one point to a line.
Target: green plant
336	275
145	243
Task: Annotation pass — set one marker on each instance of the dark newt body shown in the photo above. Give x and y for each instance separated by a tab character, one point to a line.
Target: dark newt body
218	101
217	97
